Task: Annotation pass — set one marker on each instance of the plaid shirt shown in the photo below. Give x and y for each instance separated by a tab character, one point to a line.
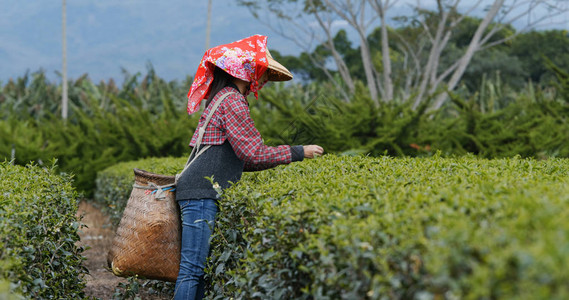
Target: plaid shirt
232	122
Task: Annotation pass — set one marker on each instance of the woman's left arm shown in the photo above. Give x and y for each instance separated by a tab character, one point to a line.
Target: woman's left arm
247	142
297	154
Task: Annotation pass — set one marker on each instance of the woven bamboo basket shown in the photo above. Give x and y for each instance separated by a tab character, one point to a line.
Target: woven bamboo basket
147	241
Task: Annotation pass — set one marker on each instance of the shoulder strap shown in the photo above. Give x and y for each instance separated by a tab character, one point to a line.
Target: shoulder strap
201	132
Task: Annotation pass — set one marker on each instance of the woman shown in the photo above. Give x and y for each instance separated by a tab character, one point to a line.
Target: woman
226	74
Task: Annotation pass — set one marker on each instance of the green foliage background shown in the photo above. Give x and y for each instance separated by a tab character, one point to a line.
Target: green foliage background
492	114
147	122
106	126
488	123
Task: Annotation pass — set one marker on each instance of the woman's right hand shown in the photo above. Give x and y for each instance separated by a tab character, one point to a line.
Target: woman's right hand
312	151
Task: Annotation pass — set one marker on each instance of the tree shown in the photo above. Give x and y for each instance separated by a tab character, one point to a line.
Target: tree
534	47
421	44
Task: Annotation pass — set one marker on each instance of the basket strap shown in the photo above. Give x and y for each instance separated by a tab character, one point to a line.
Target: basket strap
201	132
158	189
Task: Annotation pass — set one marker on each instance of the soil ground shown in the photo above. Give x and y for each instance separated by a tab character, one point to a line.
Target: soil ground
98	235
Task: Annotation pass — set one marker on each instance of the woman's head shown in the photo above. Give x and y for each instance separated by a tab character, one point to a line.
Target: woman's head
247	60
222	78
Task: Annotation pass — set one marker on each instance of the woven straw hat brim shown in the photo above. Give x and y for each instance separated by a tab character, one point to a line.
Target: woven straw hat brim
277	72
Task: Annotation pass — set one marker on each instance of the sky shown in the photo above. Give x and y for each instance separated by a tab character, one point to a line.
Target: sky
106	36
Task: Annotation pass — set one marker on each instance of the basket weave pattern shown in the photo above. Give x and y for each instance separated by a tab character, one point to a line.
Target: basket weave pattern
147	241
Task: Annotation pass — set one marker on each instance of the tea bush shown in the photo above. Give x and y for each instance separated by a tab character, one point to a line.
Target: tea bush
395	228
387	228
38	234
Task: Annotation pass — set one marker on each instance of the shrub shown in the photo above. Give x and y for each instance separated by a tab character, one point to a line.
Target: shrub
530	127
38	233
395	228
532	123
403	228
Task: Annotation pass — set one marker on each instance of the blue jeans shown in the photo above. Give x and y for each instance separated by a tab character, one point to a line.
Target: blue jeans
198	219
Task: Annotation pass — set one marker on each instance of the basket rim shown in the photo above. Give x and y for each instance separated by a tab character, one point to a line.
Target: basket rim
146	174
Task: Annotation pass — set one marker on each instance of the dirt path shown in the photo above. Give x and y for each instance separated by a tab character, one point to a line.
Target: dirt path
101	283
98	235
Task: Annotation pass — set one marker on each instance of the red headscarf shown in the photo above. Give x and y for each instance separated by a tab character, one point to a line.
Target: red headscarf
245	59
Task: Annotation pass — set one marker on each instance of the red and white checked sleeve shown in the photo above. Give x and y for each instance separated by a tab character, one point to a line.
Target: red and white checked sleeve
246	139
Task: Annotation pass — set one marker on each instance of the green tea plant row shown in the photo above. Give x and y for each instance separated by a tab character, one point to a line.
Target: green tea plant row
39	254
391	228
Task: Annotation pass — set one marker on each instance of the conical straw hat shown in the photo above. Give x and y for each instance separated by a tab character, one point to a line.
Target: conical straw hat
277	72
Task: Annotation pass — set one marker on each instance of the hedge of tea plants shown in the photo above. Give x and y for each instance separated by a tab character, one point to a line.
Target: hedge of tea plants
39	255
396	228
389	228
